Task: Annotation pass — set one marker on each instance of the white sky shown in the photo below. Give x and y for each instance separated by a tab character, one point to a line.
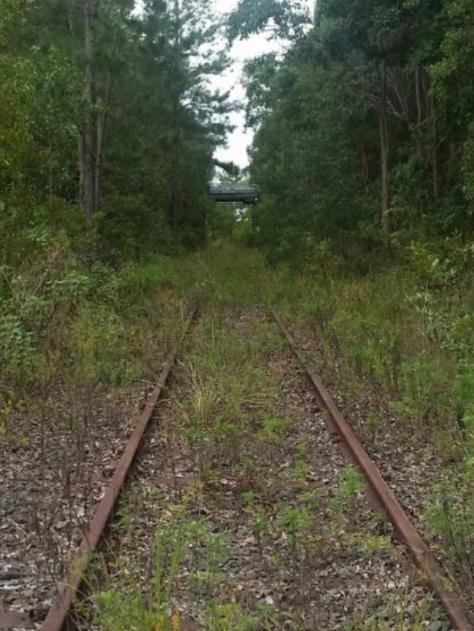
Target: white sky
240	139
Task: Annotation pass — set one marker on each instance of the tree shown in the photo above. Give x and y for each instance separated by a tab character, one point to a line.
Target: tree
374	101
109	112
284	19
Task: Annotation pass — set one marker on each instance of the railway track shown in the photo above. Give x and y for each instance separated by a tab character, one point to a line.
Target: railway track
383	497
61	615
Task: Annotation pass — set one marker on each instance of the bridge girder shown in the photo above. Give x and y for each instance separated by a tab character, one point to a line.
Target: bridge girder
243	194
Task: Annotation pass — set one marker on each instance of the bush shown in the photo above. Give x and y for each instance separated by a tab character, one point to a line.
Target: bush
18	354
102	348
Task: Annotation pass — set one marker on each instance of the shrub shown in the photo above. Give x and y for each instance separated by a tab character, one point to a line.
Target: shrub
18	354
101	348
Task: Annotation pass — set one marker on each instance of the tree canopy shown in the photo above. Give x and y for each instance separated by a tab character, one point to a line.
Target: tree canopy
365	127
107	121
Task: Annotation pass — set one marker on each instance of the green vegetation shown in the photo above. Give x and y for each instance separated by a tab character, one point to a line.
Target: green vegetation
396	341
131	91
395	338
106	142
364	237
365	129
364	151
250	461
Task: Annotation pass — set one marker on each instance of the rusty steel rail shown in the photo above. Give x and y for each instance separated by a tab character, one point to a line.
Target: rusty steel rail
59	617
453	604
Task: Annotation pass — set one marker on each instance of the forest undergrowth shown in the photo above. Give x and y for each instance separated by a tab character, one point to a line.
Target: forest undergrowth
364	155
397	338
241	515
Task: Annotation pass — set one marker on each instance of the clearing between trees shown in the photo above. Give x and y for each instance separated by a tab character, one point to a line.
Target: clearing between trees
241	511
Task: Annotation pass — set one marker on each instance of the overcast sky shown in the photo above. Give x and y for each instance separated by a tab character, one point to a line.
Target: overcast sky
240	139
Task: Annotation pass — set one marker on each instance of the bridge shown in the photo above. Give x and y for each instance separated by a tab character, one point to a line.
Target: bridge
243	194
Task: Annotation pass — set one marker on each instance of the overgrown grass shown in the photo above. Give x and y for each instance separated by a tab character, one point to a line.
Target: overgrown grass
228	415
66	322
399	338
400	335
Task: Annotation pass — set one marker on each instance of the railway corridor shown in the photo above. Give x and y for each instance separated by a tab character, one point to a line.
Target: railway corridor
240	509
242	513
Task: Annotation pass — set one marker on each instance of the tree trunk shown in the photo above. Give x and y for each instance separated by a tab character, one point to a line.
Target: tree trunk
50	171
434	149
419	113
89	161
175	126
318	11
174	162
364	164
384	148
100	127
173	209
419	108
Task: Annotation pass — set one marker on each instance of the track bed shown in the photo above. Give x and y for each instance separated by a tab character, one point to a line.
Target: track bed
52	474
242	512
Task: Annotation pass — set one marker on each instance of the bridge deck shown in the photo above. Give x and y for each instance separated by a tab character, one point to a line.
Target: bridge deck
245	194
